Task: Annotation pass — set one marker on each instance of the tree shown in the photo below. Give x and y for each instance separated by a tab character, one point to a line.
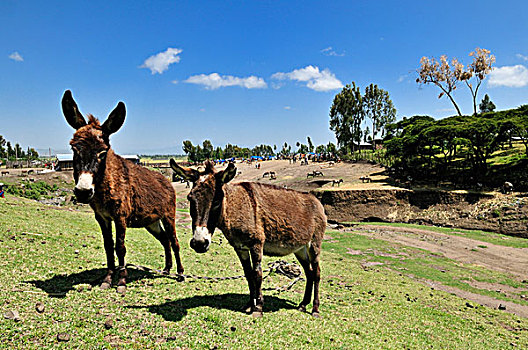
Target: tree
444	75
207	150
2	144
310	144
331	148
10	151
190	150
346	117
379	108
486	105
478	69
447	75
32	153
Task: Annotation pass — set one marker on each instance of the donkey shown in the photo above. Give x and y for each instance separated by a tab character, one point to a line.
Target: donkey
257	219
119	190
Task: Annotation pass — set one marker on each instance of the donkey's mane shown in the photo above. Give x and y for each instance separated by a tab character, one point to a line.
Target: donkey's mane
94	121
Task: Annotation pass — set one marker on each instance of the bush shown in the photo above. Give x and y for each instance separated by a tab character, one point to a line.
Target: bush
32	190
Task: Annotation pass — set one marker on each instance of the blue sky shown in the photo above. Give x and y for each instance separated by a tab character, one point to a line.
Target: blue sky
241	72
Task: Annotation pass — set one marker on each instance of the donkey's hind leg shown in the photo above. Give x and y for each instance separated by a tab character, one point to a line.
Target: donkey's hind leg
169	225
157	231
314	252
303	257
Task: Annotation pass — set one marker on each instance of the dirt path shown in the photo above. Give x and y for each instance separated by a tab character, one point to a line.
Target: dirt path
495	257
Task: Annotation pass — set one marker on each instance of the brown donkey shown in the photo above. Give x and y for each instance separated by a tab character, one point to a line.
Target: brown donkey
119	190
257	219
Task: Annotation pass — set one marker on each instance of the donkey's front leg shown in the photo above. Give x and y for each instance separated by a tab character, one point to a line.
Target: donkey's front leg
106	229
256	258
121	251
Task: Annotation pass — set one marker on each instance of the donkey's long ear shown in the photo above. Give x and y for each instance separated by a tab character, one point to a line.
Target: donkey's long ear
71	111
186	173
227	174
115	119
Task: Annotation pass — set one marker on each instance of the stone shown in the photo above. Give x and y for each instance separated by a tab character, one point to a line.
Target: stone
40	307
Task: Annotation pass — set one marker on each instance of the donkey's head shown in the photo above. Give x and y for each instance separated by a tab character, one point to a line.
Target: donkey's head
205	200
90	144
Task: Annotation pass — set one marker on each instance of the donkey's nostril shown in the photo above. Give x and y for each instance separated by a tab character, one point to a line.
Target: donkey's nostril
200	246
83	196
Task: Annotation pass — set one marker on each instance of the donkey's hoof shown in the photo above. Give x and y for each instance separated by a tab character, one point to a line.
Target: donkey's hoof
121	290
302	308
247	308
256	314
316	314
105	285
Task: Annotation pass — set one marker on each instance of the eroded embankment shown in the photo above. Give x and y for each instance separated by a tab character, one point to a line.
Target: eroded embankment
506	214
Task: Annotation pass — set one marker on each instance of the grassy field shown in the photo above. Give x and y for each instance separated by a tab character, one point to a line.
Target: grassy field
55	257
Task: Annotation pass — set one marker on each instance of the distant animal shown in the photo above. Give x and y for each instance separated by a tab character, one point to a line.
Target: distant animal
119	190
365	179
273	176
257	219
314	174
507	187
337	182
5	172
331	163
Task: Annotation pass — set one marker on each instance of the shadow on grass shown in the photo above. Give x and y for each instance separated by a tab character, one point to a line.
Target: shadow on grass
176	310
58	286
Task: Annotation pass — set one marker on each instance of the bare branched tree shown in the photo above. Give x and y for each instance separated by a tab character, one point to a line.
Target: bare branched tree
447	75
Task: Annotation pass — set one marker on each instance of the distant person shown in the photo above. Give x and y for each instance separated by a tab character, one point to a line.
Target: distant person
2	190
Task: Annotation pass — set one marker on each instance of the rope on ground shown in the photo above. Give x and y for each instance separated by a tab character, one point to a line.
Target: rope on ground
290	270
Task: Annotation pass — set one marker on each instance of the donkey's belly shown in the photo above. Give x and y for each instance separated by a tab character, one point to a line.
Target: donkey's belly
280	249
141	221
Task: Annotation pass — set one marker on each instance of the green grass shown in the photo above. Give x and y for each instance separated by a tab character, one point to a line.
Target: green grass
371	308
489	237
422	264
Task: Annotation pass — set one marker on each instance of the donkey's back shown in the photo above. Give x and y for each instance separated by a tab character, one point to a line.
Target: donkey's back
284	220
143	196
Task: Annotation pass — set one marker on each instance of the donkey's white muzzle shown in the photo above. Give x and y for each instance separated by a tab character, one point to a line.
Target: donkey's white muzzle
201	239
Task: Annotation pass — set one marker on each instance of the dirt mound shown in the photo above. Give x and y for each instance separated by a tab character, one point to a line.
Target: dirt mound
494	212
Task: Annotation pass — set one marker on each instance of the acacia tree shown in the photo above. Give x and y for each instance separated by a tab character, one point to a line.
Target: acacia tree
443	74
346	116
477	70
447	75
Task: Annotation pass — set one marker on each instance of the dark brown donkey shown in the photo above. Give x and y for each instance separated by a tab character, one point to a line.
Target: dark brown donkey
119	190
257	219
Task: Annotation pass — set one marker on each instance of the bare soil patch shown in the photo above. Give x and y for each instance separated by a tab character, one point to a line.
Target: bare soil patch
499	258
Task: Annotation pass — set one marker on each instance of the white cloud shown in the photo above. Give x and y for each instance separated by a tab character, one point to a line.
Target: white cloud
160	62
214	81
314	78
522	57
510	76
287	108
402	78
329	51
15	56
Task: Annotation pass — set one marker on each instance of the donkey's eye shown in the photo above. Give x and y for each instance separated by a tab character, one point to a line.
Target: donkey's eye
101	155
